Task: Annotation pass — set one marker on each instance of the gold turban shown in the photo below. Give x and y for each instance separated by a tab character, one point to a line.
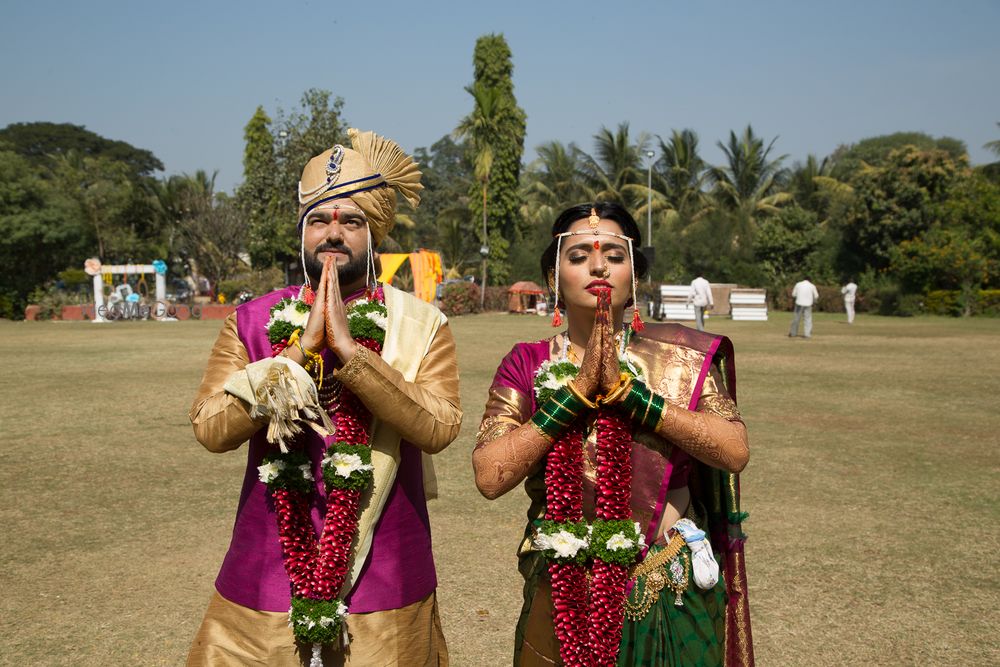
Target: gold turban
370	173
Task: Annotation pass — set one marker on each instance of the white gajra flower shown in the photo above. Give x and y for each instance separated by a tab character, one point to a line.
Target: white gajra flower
380	320
345	464
619	541
291	314
564	543
551	382
269	471
327	622
641	537
306	472
341	609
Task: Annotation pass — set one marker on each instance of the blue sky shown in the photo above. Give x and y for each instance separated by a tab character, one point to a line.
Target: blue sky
182	78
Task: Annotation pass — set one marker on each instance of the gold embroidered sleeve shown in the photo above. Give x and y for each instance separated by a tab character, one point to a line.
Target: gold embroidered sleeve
506	409
426	412
715	399
507	448
221	421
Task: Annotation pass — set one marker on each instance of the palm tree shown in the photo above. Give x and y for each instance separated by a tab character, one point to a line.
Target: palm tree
615	171
813	186
993	145
486	128
680	175
749	184
551	182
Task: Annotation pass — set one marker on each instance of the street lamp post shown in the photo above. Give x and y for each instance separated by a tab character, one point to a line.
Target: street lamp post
649	208
649	200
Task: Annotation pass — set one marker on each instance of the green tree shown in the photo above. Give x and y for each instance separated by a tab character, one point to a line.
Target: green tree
271	177
875	151
495	129
42	143
786	245
615	172
38	235
894	203
211	230
680	175
993	146
443	220
257	196
99	191
748	186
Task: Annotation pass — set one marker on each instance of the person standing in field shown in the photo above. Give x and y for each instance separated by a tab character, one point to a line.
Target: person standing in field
628	442
700	295
850	291
343	387
805	295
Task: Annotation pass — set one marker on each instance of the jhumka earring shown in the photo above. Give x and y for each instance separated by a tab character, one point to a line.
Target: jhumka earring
637	324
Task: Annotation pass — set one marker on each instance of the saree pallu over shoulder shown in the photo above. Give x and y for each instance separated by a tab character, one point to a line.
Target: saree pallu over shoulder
717	491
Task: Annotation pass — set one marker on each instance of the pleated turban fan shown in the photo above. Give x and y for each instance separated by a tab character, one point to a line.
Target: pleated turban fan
370	173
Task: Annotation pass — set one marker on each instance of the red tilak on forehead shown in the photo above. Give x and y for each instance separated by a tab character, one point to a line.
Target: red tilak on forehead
597	245
336	213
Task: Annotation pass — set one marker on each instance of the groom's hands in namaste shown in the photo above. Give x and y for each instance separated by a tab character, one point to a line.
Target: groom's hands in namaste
338	332
313	338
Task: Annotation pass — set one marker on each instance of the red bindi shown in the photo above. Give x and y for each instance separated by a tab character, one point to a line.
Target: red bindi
597	245
336	214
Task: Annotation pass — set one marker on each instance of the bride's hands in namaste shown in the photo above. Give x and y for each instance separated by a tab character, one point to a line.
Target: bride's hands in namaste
599	372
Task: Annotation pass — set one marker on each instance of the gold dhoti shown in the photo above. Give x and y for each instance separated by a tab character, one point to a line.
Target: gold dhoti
231	634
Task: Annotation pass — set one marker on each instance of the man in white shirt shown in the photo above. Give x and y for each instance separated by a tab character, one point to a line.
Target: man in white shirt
805	295
849	291
701	295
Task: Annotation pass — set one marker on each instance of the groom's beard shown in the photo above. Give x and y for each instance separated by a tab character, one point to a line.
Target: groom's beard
347	274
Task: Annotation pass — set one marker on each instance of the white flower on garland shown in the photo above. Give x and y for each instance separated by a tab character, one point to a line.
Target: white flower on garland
641	538
289	313
307	472
346	464
552	376
380	320
328	622
563	542
270	471
619	541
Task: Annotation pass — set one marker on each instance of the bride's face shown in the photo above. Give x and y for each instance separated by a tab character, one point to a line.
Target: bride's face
592	260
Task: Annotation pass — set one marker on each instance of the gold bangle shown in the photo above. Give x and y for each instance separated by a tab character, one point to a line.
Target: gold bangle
580	397
624	384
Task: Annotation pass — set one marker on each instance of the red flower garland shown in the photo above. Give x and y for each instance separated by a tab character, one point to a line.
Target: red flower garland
317	567
587	620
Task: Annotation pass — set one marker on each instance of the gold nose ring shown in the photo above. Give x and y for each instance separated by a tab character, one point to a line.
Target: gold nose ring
607	272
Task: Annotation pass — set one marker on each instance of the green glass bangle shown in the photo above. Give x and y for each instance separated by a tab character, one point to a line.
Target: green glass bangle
557	413
643	405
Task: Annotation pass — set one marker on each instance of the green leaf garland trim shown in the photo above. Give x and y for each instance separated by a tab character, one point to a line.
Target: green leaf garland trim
316	621
604	530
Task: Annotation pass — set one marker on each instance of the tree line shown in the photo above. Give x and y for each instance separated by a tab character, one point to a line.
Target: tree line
902	214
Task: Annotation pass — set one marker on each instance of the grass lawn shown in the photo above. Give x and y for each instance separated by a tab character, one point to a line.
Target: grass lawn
872	488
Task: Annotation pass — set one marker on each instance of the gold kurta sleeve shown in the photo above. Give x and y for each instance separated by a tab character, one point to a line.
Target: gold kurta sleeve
222	421
715	399
506	409
426	412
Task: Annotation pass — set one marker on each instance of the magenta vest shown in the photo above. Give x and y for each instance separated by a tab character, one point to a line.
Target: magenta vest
400	566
